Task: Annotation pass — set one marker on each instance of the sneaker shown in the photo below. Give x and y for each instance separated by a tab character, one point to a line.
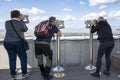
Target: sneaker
26	75
94	74
13	77
106	73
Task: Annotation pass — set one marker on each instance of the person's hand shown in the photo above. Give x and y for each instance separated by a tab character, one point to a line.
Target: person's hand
94	22
21	17
56	23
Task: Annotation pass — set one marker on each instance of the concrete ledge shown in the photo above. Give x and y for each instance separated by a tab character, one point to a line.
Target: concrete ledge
72	52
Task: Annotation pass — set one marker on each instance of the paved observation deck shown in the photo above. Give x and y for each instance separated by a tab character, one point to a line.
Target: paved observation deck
74	72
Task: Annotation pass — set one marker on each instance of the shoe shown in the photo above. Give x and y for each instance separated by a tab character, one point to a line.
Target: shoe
94	74
50	76
46	78
13	77
106	73
42	74
26	75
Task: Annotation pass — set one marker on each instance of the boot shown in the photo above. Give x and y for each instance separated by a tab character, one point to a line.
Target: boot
42	69
47	72
46	79
106	73
95	74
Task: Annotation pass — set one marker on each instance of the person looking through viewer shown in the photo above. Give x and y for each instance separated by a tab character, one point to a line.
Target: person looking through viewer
13	43
106	45
42	47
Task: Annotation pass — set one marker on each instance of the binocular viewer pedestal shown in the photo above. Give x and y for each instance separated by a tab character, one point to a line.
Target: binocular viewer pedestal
58	70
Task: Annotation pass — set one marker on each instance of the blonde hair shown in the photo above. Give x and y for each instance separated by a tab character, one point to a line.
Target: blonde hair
100	19
95	20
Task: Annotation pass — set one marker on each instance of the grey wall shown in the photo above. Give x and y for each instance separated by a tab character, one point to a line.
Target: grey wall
73	52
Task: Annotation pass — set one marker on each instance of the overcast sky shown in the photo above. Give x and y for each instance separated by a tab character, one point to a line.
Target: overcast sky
73	12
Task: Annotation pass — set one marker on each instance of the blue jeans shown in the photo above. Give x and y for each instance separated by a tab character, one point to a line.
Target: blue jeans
14	49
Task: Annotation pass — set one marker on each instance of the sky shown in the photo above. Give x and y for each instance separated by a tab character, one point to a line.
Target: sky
74	13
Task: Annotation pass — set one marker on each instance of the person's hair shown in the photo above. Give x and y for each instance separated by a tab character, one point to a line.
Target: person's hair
52	19
15	14
101	19
95	20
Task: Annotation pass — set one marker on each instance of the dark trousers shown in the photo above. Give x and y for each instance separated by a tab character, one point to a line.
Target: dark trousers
40	50
104	48
14	49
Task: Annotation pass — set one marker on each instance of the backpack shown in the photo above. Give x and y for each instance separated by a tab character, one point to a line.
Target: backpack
42	30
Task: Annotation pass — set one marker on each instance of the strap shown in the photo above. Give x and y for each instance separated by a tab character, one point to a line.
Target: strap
15	29
45	26
42	42
49	30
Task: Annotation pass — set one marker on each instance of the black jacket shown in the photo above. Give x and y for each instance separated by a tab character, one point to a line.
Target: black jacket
103	30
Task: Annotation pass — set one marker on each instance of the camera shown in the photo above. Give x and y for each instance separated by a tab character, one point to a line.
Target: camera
24	18
61	24
88	23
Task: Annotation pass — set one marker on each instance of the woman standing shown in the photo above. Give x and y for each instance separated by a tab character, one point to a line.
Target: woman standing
13	43
106	40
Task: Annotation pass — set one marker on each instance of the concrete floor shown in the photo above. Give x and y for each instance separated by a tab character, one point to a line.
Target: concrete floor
71	73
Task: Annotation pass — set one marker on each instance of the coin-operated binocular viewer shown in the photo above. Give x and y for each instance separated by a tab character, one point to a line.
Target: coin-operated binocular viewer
24	18
58	70
89	24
